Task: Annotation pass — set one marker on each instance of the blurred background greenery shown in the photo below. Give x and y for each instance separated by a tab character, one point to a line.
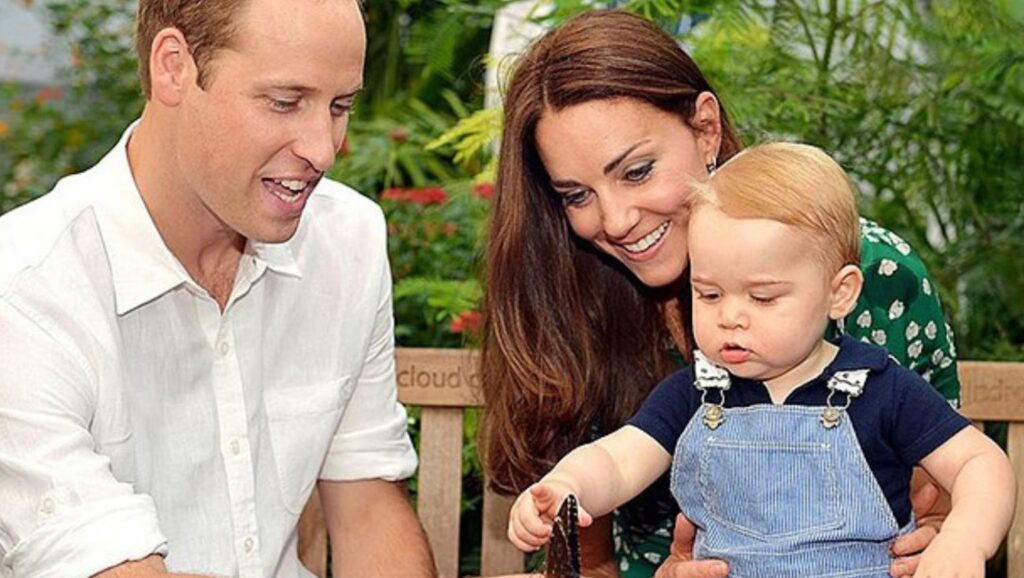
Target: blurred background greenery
921	100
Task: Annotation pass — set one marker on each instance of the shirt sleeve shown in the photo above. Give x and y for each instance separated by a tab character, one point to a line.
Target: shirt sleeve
62	511
899	310
372	440
668	409
922	420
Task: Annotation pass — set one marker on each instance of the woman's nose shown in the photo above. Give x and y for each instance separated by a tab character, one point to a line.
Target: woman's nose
619	215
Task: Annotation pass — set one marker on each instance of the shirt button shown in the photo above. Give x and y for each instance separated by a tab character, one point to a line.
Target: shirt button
223	347
249	544
235	447
47	506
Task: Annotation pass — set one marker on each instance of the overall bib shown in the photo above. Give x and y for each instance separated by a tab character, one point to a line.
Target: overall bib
782	491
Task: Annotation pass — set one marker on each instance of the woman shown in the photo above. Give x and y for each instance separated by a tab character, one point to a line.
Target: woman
606	122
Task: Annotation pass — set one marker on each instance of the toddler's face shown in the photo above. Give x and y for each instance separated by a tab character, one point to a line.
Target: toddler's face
761	294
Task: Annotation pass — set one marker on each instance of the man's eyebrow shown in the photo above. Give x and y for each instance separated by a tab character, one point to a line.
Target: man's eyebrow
615	162
303	89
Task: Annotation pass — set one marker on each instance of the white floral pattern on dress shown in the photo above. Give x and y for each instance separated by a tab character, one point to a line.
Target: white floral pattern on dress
937	357
864	319
887	267
931	330
879	337
896	309
926	286
915	349
912	330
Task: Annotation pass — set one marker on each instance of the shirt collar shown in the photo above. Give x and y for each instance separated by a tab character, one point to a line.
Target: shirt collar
278	257
854	354
142	266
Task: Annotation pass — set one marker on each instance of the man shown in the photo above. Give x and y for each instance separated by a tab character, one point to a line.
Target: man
198	328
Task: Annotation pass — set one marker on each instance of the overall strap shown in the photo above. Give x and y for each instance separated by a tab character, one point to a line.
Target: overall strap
708	377
851	383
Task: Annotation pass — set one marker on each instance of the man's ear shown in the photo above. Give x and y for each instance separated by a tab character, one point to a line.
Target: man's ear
846	286
707	118
171	67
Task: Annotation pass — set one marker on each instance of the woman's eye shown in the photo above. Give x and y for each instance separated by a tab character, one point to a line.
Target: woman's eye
639	174
574	198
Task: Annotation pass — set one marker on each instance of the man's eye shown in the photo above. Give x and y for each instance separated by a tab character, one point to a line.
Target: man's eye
339	108
639	174
281	105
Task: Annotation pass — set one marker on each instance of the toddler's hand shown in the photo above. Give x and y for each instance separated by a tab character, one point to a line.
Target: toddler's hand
534	511
951	555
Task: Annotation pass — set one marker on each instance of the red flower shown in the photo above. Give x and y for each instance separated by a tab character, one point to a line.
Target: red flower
466	322
423	196
399	135
48	94
394	194
449	229
484	190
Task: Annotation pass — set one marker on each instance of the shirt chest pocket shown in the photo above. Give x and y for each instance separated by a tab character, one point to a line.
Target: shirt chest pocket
302	422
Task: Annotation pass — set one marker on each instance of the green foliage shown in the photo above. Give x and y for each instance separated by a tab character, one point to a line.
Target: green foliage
51	132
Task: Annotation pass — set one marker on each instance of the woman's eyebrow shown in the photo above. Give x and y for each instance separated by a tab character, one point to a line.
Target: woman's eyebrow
617	160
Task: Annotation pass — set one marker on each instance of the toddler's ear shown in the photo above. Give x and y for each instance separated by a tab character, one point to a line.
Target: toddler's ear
846	286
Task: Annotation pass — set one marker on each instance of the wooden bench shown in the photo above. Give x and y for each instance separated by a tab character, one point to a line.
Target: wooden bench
444	382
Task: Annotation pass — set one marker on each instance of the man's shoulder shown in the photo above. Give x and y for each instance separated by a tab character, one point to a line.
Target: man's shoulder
45	228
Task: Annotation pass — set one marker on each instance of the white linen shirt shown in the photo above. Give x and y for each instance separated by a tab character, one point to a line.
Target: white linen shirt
137	418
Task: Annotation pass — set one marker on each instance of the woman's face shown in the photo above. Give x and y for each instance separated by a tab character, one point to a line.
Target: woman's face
623	170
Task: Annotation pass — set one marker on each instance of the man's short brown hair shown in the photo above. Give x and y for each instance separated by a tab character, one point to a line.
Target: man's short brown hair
207	25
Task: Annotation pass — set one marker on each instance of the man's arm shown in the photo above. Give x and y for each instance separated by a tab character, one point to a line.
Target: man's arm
150	567
374	531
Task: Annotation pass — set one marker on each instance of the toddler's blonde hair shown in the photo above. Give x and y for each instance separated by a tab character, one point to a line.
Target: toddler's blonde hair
794	184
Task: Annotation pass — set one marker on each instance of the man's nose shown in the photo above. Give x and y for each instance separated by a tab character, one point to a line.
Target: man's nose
320	140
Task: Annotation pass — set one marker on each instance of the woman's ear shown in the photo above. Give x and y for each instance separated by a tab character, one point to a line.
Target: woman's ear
845	289
707	118
171	67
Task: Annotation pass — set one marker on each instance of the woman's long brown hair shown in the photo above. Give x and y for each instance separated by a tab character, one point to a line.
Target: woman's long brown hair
573	343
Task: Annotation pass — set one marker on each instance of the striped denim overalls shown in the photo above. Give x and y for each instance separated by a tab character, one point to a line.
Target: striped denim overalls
782	491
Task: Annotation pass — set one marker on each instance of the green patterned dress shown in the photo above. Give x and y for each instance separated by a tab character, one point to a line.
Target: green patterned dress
898	309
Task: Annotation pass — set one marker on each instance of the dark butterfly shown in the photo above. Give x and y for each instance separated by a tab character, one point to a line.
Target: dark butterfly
563	555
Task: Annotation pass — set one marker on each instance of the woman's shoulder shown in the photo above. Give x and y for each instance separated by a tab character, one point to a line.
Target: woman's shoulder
887	250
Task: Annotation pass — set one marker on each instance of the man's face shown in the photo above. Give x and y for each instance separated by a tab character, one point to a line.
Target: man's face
254	142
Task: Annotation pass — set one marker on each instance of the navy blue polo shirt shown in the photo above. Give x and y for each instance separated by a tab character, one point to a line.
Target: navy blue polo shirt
899	419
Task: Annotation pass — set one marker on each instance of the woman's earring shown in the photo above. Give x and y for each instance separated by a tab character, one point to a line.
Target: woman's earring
711	167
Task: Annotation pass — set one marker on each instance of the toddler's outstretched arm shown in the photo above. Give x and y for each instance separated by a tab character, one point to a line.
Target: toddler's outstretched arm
603	475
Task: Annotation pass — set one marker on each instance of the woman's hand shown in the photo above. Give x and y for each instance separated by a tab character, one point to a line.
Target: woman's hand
931	506
680	562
